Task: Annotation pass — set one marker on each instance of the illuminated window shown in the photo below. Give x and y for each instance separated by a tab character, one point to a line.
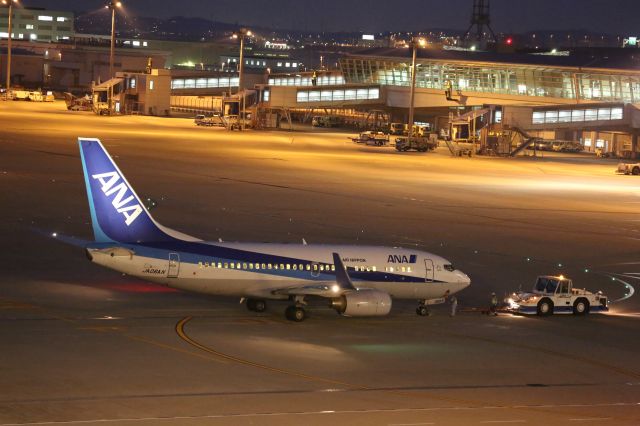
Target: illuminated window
200	264
33	36
288	266
244	266
333	267
408	268
373	268
150	84
322	267
233	265
590	115
264	266
282	266
270	266
315	267
295	267
219	265
226	265
577	115
61	19
251	266
45	18
132	83
391	269
29	26
617	113
136	43
301	267
308	267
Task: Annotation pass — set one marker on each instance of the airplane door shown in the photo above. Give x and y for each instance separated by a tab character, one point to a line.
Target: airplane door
174	265
428	267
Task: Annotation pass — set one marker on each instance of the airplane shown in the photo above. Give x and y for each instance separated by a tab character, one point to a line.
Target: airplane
356	280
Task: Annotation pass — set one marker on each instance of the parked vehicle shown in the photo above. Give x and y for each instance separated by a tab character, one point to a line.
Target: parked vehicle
372	138
325	121
629	169
418	143
566	146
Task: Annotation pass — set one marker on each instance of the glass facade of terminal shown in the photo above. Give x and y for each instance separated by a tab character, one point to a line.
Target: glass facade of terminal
323	80
338	95
577	115
203	83
522	80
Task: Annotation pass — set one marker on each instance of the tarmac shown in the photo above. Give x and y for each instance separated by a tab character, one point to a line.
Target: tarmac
80	344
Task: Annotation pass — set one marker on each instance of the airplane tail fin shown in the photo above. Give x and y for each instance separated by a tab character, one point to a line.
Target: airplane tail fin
117	214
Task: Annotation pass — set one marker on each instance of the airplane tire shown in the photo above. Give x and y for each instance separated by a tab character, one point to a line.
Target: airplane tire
581	307
545	308
295	313
260	305
422	311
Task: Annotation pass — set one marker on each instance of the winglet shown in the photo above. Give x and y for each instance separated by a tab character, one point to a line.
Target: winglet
342	277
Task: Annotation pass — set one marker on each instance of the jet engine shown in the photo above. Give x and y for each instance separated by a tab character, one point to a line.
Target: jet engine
362	303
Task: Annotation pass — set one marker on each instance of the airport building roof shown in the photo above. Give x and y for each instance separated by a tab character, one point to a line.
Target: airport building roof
622	59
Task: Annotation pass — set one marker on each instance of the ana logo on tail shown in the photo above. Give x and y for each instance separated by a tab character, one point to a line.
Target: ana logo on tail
108	181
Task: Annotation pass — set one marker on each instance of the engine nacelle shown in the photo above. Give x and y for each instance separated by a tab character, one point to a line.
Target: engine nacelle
363	303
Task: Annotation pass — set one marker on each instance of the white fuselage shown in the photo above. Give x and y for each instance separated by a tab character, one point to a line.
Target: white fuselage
259	269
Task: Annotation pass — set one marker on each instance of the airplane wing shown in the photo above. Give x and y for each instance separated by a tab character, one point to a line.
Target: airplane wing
325	288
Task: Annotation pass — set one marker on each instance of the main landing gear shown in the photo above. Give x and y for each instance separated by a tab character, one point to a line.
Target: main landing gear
296	312
256	305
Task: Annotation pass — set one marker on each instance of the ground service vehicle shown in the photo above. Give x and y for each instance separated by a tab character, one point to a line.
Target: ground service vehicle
372	138
416	143
556	295
629	169
325	121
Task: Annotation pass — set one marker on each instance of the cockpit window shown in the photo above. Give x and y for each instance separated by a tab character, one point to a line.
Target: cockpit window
449	268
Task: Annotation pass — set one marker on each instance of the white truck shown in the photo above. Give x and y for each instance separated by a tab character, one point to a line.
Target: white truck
556	295
629	169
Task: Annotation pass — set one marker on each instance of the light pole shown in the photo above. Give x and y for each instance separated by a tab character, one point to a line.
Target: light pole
241	34
415	42
9	4
112	5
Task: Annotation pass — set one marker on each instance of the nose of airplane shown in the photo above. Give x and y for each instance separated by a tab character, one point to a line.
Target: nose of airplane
463	279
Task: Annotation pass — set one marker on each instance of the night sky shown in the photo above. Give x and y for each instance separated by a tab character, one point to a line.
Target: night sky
610	16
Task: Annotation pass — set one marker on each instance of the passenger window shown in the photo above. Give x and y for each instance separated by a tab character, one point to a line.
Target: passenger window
301	267
333	267
282	266
199	264
315	267
408	268
308	267
219	265
244	266
390	268
226	265
403	269
288	266
270	266
373	268
232	265
251	266
295	267
264	266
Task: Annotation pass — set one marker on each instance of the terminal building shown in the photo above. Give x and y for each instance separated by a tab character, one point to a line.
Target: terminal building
576	96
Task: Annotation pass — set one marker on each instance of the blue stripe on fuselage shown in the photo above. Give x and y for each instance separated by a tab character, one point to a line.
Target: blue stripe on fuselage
194	252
